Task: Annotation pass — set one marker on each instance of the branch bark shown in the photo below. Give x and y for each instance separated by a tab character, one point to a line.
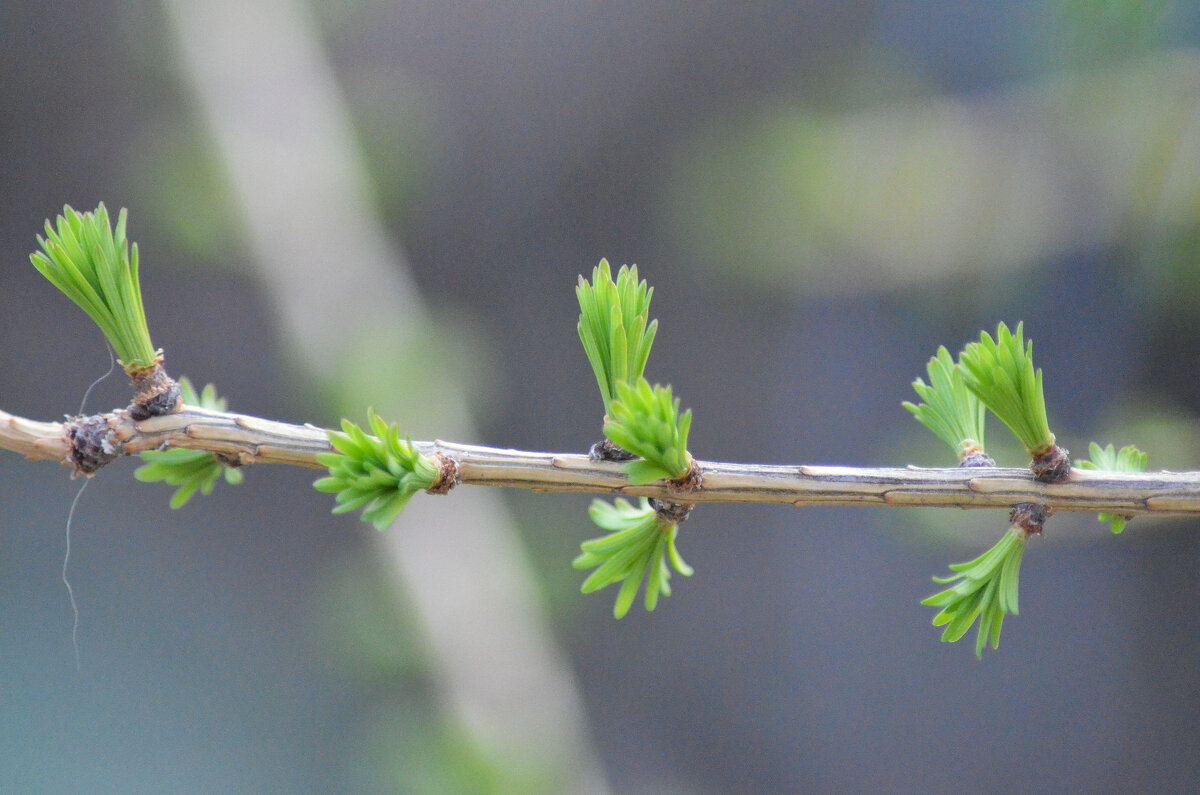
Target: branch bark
253	440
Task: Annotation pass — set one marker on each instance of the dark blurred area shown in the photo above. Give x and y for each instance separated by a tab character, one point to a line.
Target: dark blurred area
821	193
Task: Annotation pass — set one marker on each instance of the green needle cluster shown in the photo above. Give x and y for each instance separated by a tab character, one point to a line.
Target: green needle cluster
950	409
1129	459
646	422
637	548
641	421
381	472
984	588
190	470
91	264
615	327
1001	373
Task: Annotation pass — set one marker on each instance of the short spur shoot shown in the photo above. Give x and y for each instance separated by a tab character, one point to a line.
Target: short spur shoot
951	411
615	327
90	262
378	473
1002	374
639	546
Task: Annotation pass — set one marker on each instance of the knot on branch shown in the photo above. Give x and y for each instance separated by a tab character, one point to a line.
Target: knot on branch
692	481
605	450
155	393
230	460
976	458
1052	466
671	512
675	512
1029	516
93	443
447	477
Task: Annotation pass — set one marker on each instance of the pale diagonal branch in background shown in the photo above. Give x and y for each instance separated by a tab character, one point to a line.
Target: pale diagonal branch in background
340	288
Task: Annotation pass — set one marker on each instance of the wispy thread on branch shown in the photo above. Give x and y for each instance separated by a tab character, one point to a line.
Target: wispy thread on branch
112	365
66	581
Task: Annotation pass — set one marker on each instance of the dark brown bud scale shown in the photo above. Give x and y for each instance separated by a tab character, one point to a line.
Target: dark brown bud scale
607	451
976	458
447	475
1053	466
1029	516
671	512
155	393
92	443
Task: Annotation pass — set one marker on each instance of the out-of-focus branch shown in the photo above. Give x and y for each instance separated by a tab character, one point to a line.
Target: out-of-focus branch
340	288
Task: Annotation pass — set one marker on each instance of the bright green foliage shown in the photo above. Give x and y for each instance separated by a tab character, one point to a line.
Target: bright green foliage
615	327
1129	459
381	472
638	547
646	422
984	589
1001	373
91	264
950	410
190	470
617	333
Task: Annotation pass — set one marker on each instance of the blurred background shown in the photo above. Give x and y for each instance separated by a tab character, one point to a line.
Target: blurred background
361	203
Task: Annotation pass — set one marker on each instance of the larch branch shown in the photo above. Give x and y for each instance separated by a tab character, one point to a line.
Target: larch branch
253	440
